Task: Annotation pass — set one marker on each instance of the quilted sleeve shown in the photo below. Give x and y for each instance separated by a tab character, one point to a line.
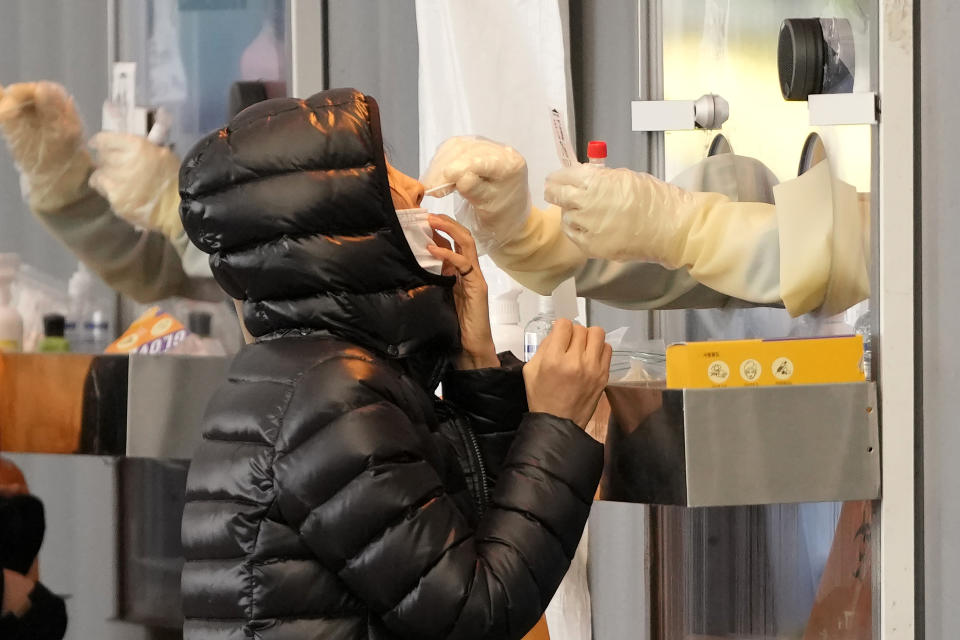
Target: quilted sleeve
357	475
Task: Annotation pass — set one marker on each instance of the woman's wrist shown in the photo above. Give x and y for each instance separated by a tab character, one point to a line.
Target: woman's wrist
485	359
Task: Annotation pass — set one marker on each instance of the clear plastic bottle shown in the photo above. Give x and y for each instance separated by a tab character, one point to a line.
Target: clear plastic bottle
88	325
539	327
11	323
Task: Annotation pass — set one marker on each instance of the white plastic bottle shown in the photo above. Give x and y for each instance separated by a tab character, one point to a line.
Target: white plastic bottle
505	323
539	327
11	323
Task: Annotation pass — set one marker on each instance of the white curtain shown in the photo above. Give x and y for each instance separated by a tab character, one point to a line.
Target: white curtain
496	69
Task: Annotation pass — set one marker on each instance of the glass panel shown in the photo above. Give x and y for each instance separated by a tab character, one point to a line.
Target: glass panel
777	571
190	52
730	49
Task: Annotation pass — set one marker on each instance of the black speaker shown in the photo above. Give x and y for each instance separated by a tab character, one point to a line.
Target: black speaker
815	55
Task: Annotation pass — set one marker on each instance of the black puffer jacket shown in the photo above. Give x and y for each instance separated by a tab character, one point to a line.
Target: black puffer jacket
333	496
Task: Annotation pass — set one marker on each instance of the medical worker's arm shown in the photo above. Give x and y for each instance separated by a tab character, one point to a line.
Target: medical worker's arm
400	542
138	263
44	134
807	250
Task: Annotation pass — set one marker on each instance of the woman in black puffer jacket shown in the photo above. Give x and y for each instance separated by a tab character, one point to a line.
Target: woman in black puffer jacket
333	495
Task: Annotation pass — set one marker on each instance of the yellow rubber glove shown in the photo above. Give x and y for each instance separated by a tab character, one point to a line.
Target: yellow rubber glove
491	178
140	181
622	215
42	129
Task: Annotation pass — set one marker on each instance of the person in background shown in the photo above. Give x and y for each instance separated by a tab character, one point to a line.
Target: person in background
334	495
28	611
115	209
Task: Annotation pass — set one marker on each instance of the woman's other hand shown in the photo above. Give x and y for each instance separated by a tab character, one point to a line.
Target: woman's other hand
569	372
470	292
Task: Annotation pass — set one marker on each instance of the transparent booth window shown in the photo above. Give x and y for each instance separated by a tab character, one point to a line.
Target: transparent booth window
189	53
775	571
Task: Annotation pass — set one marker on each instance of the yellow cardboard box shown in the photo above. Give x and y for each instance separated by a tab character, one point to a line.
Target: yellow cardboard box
754	363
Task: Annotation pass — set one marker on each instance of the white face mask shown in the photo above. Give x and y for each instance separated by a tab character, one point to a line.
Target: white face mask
419	236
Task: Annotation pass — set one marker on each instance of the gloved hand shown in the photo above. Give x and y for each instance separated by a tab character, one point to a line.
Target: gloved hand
623	215
139	179
44	133
492	178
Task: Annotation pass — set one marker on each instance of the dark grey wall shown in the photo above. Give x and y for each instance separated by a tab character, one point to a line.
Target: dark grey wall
940	219
373	48
59	40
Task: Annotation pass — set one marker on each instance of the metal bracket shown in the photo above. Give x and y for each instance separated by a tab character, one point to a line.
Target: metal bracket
707	112
829	109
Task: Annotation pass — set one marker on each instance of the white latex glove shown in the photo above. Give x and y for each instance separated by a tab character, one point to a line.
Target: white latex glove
619	214
44	133
492	178
139	179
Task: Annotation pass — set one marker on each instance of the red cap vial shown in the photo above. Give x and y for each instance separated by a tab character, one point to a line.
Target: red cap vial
597	149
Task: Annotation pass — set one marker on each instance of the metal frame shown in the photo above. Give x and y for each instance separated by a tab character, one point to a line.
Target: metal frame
895	604
895	258
308	61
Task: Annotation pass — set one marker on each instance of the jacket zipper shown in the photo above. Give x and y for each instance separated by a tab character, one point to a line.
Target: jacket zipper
484	498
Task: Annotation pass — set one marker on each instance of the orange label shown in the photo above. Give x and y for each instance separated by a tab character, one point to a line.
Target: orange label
153	332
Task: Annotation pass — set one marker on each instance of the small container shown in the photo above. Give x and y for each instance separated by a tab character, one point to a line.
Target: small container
539	327
597	152
54	328
505	323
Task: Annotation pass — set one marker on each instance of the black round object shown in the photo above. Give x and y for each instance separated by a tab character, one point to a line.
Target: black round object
719	145
198	322
54	325
813	152
800	58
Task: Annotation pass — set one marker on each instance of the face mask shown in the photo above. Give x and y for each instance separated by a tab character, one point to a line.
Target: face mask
419	236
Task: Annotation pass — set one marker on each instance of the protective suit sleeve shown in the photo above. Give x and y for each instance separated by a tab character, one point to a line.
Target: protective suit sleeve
539	256
824	243
807	251
399	540
139	264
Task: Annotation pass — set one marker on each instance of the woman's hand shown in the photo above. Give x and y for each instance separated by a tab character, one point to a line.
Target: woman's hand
470	292
569	372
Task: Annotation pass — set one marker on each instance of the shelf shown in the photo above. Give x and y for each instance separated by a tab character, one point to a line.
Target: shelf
723	447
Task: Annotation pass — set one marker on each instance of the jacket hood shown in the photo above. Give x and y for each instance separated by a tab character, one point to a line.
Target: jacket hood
292	202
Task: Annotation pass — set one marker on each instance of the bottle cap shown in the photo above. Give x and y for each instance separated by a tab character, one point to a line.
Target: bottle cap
504	311
546	305
198	322
597	149
54	325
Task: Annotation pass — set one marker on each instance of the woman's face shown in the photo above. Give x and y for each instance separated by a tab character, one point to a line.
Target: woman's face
407	192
